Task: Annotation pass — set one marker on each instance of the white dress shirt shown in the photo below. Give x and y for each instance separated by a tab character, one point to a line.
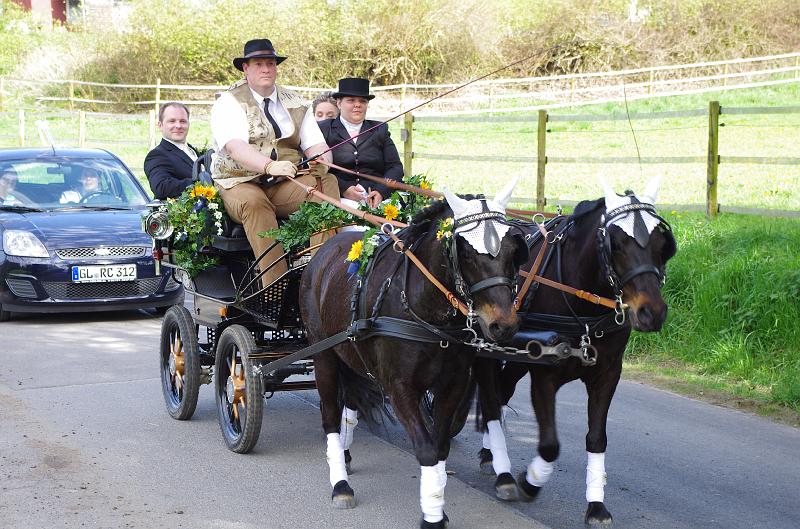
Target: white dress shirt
229	121
185	148
352	128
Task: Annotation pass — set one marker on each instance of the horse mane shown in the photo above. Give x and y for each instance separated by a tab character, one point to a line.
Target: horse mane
586	207
421	223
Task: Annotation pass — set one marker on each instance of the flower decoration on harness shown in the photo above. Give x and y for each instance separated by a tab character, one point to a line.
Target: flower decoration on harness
362	250
197	215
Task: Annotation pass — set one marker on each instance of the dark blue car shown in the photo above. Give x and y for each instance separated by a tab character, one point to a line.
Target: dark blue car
72	239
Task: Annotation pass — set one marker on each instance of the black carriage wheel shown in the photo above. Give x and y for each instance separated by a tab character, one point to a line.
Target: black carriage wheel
180	363
239	391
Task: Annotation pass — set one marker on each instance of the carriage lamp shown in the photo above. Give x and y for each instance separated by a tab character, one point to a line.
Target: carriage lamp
157	225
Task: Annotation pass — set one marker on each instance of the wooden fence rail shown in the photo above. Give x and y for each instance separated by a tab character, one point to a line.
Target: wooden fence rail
542	160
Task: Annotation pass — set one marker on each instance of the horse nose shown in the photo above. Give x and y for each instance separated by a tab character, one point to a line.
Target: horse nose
651	318
502	331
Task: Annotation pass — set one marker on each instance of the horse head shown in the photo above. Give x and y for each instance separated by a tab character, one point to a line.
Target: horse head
634	244
484	254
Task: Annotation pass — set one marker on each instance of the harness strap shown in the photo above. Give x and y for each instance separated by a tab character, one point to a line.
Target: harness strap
491	282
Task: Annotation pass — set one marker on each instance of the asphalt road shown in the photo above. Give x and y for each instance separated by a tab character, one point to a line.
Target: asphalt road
85	442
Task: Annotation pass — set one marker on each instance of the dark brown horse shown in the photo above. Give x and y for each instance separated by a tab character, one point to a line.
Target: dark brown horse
415	353
615	247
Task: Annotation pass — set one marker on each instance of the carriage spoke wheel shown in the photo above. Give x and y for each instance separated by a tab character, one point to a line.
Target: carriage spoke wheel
239	390
180	363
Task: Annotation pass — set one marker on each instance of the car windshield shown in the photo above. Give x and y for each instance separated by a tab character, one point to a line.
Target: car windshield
69	183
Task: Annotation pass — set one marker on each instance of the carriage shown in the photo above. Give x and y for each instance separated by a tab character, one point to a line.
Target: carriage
256	340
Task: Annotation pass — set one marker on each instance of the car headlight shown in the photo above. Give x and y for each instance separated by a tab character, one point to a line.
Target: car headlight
23	244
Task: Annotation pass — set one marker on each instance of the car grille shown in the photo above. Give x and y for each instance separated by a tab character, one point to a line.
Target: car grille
104	251
21	288
111	289
171	284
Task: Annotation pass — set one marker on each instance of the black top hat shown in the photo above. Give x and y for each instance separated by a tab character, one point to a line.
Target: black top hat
353	86
257	49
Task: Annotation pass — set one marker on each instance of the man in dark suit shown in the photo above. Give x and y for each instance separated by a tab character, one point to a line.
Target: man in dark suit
169	166
372	153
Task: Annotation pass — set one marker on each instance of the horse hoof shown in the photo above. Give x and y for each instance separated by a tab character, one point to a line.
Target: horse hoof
347	459
441	524
527	492
343	496
597	515
485	456
505	488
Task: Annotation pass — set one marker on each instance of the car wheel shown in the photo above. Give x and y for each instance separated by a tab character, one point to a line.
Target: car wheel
180	363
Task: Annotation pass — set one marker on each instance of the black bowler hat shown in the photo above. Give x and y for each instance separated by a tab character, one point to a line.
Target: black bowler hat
257	49
354	87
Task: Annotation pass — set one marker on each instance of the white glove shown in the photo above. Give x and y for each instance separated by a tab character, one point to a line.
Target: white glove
282	168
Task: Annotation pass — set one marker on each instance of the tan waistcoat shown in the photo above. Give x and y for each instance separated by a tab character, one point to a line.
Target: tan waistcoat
225	170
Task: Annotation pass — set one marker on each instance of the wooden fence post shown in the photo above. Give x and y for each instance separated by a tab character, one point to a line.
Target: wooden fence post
541	159
650	84
71	94
2	91
151	126
408	148
712	205
22	127
158	94
81	129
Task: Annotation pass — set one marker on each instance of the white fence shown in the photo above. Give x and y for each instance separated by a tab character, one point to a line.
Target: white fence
485	96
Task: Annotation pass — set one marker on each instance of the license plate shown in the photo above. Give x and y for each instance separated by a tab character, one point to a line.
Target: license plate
103	273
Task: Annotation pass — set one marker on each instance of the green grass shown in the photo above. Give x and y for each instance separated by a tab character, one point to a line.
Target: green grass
733	291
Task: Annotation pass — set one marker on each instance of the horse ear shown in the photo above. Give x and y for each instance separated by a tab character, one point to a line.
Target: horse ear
456	203
651	190
613	200
504	195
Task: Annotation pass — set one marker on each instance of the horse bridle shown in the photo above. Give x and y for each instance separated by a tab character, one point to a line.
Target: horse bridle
461	287
604	248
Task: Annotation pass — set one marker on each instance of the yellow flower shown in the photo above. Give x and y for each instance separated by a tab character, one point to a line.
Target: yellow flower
390	211
424	185
446	223
355	250
439	234
209	192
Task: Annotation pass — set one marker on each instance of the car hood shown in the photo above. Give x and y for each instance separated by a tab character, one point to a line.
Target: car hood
81	228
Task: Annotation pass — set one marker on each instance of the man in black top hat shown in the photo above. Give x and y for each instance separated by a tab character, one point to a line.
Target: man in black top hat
169	166
372	153
262	131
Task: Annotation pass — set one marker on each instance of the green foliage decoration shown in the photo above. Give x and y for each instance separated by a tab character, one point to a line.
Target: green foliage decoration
197	215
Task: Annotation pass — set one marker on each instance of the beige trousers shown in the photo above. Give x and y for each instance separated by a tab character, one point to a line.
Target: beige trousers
258	209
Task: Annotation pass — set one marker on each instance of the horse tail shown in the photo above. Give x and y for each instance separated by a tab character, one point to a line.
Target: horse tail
362	394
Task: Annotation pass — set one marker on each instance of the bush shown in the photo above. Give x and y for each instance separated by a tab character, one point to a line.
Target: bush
19	35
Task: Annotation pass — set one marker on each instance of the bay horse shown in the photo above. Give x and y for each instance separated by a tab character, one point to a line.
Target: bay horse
416	353
616	247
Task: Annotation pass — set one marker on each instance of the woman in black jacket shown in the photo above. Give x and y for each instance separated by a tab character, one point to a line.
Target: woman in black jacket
372	153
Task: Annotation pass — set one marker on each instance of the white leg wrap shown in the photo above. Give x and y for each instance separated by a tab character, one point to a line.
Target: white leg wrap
539	472
335	455
497	443
595	477
348	426
486	443
432	481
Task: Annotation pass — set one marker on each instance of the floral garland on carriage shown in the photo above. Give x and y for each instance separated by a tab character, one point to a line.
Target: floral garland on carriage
314	217
197	215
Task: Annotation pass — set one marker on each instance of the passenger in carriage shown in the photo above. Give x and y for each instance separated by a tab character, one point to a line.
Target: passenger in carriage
262	130
169	166
324	106
372	153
